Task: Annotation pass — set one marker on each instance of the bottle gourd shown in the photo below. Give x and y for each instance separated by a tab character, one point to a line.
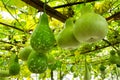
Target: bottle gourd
42	38
37	63
14	66
66	39
24	53
90	27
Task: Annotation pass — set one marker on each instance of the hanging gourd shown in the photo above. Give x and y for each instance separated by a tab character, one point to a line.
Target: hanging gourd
42	38
24	53
90	27
37	63
66	39
14	66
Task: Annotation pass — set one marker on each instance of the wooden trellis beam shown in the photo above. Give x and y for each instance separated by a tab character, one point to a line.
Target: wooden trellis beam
54	13
115	16
49	10
71	4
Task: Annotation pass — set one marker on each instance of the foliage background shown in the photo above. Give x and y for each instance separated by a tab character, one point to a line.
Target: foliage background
18	19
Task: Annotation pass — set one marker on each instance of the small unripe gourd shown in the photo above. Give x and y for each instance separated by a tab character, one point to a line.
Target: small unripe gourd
14	66
24	53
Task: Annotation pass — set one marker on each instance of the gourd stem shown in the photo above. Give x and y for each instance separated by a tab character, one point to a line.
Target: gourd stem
45	6
85	2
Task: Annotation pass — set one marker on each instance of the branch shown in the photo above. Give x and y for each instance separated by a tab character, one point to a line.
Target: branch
71	4
115	16
50	11
14	44
11	26
5	42
109	43
54	13
98	48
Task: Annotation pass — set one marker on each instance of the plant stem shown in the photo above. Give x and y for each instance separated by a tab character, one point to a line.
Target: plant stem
52	75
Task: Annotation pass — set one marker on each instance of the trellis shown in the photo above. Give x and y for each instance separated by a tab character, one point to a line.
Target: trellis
51	11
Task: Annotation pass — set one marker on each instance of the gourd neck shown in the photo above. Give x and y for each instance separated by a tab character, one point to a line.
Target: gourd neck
87	8
43	19
69	23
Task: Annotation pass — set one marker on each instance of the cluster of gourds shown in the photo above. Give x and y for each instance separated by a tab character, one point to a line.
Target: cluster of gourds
90	27
41	42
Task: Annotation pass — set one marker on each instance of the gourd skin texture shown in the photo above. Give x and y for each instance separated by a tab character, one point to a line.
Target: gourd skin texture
24	53
14	68
66	39
37	63
90	27
42	38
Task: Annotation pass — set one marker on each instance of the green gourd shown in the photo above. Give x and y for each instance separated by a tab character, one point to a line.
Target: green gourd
24	53
42	38
90	27
37	63
66	39
4	73
14	66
